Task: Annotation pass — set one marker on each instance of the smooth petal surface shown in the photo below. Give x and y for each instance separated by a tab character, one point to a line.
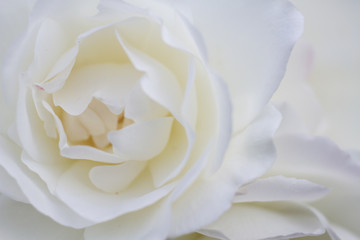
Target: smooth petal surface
173	158
236	170
11	27
31	133
280	188
344	233
20	221
265	221
35	190
139	107
252	152
10	188
80	195
150	136
108	82
194	236
151	223
115	178
248	67
160	83
321	161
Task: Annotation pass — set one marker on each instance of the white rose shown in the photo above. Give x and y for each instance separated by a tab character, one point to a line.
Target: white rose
116	122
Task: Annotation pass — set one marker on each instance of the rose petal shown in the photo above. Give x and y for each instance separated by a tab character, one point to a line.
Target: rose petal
11	27
151	223
192	174
252	152
173	158
176	30
115	178
90	153
50	34
236	170
150	136
30	130
48	172
189	106
160	84
139	107
70	10
21	221
77	191
10	188
20	51
321	161
248	66
35	190
188	218
195	236
344	233
280	188
275	221
61	70
108	82
80	151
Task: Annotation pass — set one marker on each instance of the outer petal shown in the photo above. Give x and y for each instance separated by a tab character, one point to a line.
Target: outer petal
321	161
280	188
151	223
34	189
194	236
9	187
251	154
255	33
259	36
11	27
265	221
21	221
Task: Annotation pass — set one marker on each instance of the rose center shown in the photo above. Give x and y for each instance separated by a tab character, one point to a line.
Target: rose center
92	126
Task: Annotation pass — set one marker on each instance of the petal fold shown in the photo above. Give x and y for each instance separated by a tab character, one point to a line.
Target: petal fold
265	221
21	221
150	136
280	188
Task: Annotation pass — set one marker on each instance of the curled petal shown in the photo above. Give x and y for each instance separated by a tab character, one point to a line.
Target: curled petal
265	221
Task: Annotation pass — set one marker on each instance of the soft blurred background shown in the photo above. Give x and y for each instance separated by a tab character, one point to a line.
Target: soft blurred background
332	41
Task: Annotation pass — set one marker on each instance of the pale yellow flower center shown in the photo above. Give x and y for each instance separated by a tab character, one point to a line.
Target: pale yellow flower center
92	126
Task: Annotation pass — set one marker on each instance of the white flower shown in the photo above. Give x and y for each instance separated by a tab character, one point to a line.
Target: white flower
119	119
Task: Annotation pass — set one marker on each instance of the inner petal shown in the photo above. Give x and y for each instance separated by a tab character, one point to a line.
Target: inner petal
142	141
108	82
139	107
95	122
115	178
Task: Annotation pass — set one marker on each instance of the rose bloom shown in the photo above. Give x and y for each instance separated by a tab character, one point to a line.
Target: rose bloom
135	119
